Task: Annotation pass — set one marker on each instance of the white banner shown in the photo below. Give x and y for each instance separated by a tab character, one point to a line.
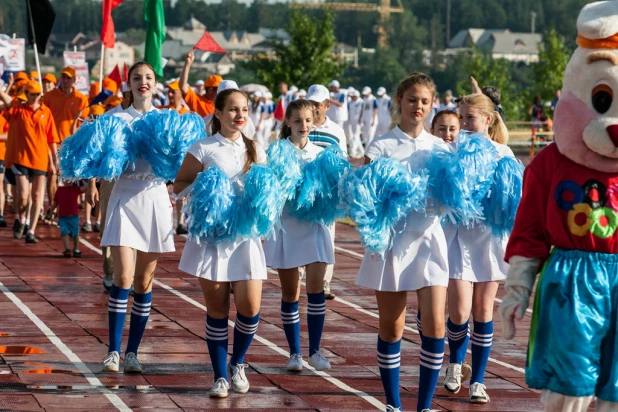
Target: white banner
15	58
77	60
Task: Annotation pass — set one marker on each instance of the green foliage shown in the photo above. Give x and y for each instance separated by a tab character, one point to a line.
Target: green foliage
307	58
553	59
243	74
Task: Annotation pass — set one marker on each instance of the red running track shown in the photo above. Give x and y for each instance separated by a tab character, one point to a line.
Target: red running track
53	334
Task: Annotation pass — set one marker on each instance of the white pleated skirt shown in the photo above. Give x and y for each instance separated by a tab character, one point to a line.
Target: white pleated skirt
475	255
417	259
226	261
139	215
298	244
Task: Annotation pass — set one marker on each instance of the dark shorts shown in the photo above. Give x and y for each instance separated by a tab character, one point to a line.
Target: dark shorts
19	170
1	167
69	225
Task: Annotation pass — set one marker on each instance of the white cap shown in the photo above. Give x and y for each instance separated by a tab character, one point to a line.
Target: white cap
381	91
227	84
598	20
268	95
199	83
160	87
318	93
354	93
351	89
302	92
125	87
366	90
293	89
334	83
258	93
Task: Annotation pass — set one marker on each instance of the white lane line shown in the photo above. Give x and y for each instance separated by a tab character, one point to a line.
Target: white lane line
370	399
358	255
92	379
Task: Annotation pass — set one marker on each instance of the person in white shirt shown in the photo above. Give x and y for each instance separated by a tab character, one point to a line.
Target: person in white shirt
383	102
369	117
448	101
265	125
355	110
324	133
338	110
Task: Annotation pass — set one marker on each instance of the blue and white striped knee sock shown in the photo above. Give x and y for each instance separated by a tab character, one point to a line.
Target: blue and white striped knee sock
389	360
458	337
432	354
216	339
316	312
244	330
291	325
482	338
117	313
139	318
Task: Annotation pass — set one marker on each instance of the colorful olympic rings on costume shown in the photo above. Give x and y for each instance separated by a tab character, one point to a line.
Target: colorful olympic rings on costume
597	227
595	193
568	194
576	228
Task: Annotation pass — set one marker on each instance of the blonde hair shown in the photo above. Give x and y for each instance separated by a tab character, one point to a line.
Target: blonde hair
497	129
410	80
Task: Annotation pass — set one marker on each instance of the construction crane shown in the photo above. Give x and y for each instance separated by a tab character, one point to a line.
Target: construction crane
384	9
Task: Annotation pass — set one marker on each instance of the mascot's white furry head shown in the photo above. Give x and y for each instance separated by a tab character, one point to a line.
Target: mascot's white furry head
586	120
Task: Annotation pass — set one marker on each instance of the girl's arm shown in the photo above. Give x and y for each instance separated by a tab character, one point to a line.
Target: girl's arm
6	99
4	137
187	173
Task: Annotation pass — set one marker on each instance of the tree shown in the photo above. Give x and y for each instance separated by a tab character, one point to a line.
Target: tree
553	59
308	56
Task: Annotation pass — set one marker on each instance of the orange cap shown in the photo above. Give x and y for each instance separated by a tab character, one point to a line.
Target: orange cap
112	101
33	87
22	97
174	86
96	110
69	71
34	75
213	81
50	78
110	84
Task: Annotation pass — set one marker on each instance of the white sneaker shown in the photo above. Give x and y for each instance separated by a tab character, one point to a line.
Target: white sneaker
392	409
318	361
240	384
131	364
111	362
219	389
478	393
452	379
295	363
430	410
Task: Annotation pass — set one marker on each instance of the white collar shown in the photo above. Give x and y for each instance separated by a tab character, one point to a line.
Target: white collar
324	125
221	139
401	135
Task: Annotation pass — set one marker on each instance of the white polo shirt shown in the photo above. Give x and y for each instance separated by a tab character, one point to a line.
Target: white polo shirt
327	134
336	113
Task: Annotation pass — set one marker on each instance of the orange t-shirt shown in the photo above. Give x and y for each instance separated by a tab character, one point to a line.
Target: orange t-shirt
4	127
30	134
182	110
199	104
65	109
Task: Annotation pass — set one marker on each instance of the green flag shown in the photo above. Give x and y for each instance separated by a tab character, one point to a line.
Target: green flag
155	34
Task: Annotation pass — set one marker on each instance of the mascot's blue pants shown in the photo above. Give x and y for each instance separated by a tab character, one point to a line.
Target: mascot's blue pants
573	348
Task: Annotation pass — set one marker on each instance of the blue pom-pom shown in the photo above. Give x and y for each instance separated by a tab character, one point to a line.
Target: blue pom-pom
461	179
261	203
164	137
501	206
212	208
379	195
284	162
317	197
98	149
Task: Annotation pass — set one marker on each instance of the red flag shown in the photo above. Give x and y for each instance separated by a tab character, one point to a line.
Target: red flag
115	76
125	73
207	43
108	35
279	113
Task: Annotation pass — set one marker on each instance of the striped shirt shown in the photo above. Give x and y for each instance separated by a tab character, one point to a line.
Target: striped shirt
327	134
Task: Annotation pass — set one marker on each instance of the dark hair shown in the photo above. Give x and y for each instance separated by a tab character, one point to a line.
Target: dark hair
493	93
215	126
441	114
134	67
294	106
411	80
537	99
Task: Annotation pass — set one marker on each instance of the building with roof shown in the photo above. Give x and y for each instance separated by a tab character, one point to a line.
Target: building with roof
500	43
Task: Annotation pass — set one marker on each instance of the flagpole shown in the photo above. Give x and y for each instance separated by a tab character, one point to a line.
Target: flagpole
36	52
101	67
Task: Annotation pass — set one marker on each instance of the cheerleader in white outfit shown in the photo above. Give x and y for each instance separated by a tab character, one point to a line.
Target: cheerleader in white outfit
476	265
301	244
418	258
138	228
239	263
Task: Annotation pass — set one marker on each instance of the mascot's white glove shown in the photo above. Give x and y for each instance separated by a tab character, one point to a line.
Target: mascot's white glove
519	283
